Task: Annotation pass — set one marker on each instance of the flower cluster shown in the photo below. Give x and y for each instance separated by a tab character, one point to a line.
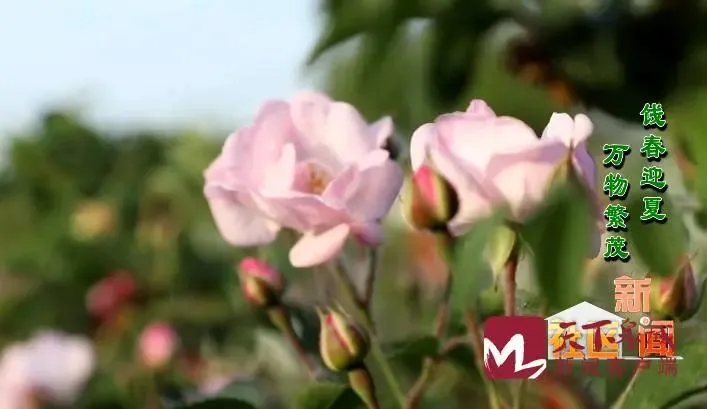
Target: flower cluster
315	166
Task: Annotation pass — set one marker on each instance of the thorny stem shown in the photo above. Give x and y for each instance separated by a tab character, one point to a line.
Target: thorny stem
370	280
349	290
520	394
429	368
281	319
621	401
430	364
509	282
476	340
415	393
519	397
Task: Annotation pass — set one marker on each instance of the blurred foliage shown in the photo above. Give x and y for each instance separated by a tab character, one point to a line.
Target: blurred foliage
79	204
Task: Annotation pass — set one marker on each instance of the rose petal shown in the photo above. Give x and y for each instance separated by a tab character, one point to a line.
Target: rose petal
476	196
347	133
382	129
378	186
309	112
317	248
479	109
570	131
240	225
585	166
280	177
302	211
524	185
370	234
477	141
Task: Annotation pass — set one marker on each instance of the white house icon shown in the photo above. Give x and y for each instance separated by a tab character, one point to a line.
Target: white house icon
581	314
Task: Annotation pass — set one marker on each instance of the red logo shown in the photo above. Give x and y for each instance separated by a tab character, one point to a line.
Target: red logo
515	347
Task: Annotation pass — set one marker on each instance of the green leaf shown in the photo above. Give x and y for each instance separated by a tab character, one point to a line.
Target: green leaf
659	246
327	395
344	23
470	261
691	395
219	403
462	356
490	303
245	389
415	348
559	237
306	323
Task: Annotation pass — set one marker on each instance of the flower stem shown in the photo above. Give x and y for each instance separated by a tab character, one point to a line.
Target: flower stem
415	393
281	319
519	398
476	340
349	290
509	282
621	401
430	364
369	283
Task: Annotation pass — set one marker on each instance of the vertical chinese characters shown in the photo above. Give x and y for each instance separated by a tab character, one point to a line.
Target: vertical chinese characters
653	176
616	187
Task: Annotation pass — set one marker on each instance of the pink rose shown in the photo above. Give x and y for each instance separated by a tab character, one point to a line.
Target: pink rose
313	165
497	161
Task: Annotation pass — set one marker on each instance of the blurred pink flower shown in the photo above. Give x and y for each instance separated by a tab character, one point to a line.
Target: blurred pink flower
157	344
51	366
499	160
14	388
313	165
106	297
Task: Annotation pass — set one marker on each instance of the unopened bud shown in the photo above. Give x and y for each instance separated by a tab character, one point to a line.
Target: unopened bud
431	200
262	284
678	296
501	249
362	383
157	344
343	344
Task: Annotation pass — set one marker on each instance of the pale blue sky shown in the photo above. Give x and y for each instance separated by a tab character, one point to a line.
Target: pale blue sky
151	61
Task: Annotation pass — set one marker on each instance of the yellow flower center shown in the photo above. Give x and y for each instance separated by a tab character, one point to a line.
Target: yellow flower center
317	179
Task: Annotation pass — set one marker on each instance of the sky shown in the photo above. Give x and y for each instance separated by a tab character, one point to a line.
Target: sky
155	62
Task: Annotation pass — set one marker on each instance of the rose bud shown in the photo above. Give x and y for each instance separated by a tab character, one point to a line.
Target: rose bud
676	297
343	344
430	200
157	344
262	284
